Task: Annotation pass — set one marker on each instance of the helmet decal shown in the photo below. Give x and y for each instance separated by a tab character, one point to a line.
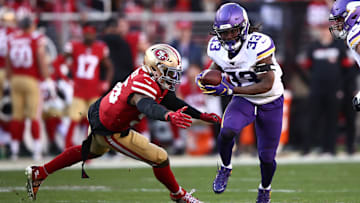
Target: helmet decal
161	54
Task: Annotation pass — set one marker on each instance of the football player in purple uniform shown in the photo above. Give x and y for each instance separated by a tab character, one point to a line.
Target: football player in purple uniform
344	17
247	57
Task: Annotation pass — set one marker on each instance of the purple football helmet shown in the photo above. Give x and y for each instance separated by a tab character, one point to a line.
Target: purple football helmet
231	26
343	16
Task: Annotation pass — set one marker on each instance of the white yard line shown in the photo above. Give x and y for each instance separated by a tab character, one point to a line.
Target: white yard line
101	188
90	188
187	161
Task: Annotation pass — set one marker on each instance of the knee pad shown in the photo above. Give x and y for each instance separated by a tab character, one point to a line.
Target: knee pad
162	158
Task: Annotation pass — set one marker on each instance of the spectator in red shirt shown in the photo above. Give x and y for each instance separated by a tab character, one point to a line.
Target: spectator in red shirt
136	39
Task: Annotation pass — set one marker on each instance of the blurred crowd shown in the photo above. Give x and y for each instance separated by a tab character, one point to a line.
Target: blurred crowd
319	75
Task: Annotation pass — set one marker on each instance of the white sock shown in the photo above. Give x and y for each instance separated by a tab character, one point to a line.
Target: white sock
228	166
14	147
37	147
262	188
178	192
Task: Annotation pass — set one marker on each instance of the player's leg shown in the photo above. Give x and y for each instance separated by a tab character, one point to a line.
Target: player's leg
268	126
314	120
331	113
138	147
2	84
84	122
32	100
238	114
72	155
350	117
52	119
77	110
17	124
2	81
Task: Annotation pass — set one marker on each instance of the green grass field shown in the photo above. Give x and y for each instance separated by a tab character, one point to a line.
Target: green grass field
292	183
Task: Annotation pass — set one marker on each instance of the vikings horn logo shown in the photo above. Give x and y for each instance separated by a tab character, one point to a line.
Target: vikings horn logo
161	54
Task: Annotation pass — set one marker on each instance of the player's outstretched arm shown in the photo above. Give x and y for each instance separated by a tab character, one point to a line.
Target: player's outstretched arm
153	110
41	58
172	102
107	64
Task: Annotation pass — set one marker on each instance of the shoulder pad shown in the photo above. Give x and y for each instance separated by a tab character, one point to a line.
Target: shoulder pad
144	84
213	46
353	37
262	44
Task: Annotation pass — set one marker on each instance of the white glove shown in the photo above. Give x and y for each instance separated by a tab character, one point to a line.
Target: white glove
50	87
356	102
68	89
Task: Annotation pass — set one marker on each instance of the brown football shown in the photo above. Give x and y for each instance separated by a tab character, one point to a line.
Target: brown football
211	77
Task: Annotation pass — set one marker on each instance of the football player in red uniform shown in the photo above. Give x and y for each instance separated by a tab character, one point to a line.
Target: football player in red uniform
87	56
26	66
54	107
148	91
7	26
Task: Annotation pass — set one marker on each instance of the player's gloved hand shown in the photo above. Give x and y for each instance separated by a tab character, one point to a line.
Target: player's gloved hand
356	102
198	81
50	86
178	118
210	117
223	89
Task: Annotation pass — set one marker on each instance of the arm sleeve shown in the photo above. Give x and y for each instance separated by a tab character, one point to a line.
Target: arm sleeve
173	103
151	109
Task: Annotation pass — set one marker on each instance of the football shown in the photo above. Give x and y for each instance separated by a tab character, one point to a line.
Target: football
211	77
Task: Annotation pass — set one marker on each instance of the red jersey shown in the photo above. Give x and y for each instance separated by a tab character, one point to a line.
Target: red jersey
4	35
115	112
86	67
22	50
59	68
